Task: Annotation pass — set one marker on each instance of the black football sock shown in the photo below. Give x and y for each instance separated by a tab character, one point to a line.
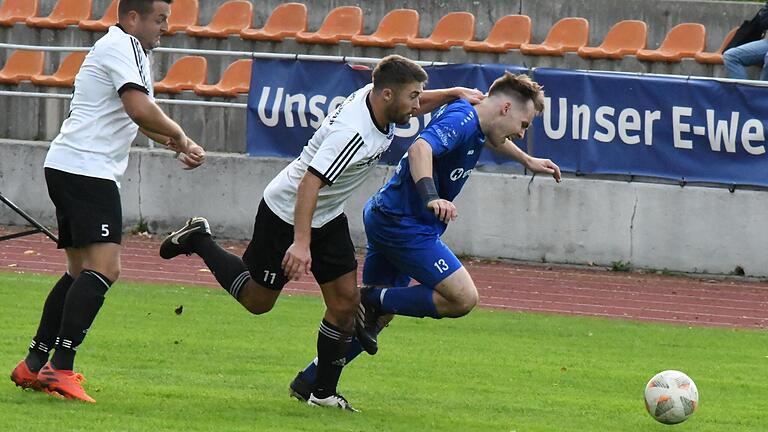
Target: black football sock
84	299
50	323
332	348
229	269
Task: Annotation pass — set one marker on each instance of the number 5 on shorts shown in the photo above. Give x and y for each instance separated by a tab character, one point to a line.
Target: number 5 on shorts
105	230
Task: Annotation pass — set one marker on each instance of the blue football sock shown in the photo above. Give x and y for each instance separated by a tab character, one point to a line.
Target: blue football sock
415	301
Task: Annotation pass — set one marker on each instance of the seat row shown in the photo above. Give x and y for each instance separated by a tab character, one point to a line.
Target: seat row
187	73
400	26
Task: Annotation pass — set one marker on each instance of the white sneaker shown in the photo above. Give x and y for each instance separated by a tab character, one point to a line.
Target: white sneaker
333	401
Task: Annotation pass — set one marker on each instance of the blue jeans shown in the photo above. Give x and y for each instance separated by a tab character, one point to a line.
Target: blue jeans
737	59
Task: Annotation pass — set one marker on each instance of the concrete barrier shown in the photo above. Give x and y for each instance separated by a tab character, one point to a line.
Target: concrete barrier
692	229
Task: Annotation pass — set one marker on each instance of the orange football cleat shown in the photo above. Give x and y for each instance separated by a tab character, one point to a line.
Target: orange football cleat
25	378
63	383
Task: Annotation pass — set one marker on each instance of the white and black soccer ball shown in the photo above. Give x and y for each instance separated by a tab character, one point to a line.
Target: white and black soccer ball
671	397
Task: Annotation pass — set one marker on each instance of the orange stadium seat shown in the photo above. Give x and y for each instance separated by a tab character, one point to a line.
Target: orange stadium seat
13	11
184	74
567	35
341	23
453	29
65	75
109	19
508	33
624	38
715	57
285	21
235	80
64	13
230	18
684	40
184	14
396	27
21	66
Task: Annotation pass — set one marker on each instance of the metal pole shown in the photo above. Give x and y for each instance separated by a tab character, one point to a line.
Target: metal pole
29	219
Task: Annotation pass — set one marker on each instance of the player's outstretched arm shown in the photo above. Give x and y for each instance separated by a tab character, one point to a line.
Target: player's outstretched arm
193	157
420	160
509	149
429	100
298	259
145	113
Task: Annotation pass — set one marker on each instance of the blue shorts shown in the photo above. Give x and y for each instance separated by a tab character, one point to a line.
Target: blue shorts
401	248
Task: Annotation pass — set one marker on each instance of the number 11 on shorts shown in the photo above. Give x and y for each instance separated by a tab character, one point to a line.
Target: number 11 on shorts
269	276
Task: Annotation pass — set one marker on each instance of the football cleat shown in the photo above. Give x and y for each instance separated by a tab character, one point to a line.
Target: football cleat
300	388
332	401
63	383
25	378
178	242
366	323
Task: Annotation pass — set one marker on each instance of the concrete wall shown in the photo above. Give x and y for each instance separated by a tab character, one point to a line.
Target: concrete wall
579	221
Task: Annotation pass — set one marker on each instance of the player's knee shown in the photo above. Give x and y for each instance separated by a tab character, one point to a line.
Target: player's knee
343	304
343	311
112	272
468	304
257	308
343	314
465	303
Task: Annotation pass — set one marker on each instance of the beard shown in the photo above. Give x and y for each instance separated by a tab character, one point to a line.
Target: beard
398	117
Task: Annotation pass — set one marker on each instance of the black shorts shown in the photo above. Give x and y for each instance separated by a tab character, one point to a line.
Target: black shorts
88	209
333	254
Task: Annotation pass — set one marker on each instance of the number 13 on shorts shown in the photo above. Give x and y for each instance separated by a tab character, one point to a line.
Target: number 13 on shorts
442	266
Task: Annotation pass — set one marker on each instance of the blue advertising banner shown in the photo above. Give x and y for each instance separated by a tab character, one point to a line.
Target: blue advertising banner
289	99
674	128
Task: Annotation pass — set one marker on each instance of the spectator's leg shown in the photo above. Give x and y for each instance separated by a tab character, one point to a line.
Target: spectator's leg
737	59
764	72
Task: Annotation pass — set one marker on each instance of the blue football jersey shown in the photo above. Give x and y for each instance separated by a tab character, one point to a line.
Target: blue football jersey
456	140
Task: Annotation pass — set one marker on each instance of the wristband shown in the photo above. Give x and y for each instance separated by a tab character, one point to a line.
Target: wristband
427	191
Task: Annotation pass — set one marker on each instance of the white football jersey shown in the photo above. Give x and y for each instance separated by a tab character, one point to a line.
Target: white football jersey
342	152
95	139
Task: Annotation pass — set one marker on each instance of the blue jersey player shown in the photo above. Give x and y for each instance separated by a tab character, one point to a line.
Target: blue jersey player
405	219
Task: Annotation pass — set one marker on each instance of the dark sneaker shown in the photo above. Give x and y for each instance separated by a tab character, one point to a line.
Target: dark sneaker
332	401
300	388
367	322
177	242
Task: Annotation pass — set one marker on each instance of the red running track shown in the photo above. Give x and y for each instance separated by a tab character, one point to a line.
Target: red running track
517	287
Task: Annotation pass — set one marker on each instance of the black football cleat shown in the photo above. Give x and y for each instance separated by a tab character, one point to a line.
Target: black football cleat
366	323
178	242
300	388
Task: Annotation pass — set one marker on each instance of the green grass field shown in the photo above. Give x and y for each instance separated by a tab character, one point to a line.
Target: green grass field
217	368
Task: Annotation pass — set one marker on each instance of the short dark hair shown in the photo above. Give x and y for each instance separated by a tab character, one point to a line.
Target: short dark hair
521	87
397	70
143	7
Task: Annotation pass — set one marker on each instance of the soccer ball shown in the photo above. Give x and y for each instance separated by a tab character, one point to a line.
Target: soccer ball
671	397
